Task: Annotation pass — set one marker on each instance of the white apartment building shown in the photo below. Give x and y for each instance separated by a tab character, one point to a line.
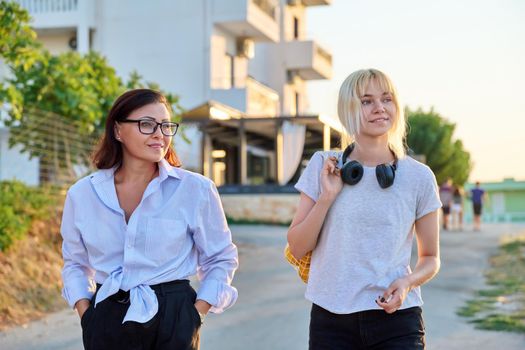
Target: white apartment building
240	68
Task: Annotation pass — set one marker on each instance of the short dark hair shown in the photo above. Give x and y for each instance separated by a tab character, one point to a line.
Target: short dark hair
108	152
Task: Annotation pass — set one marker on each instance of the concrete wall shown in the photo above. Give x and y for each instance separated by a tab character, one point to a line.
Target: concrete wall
269	208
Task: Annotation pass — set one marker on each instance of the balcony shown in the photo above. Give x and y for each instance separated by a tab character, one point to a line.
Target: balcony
309	60
254	19
309	2
250	97
59	14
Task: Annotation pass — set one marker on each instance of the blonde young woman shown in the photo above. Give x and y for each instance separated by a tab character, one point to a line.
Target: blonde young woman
358	212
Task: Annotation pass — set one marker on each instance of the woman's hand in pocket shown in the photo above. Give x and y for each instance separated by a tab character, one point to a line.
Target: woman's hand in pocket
202	306
81	306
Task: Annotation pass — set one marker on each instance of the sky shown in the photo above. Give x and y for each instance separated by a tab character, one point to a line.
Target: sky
464	58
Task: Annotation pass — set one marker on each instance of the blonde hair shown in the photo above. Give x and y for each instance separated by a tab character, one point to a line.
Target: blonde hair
349	108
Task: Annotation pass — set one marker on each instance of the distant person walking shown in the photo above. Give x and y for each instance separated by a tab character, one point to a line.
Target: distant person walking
358	212
457	209
445	196
477	195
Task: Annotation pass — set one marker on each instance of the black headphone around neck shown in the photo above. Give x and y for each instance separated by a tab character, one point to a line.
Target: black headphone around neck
352	171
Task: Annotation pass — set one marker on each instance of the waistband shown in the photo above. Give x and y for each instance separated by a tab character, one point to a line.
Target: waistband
122	297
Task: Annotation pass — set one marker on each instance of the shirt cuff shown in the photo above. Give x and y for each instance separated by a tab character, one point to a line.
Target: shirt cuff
218	294
77	289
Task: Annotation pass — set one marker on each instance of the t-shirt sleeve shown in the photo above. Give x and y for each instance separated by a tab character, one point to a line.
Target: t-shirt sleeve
428	196
309	182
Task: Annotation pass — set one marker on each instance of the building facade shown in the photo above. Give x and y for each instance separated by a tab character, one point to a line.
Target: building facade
235	64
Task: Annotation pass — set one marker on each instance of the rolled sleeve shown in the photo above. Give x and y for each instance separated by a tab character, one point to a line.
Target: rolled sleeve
76	290
77	276
218	294
218	257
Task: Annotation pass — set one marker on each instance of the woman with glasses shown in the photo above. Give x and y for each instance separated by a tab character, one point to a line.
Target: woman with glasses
136	230
357	215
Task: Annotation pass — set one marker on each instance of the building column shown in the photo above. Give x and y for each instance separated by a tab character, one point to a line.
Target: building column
243	155
86	10
206	154
326	137
82	39
279	146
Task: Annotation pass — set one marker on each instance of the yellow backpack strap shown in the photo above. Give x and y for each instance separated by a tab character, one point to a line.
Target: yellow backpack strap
302	265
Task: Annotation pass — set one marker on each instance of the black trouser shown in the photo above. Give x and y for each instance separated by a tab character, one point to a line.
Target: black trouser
477	208
175	326
371	329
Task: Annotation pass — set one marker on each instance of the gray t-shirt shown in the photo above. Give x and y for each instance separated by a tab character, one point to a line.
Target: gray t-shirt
366	239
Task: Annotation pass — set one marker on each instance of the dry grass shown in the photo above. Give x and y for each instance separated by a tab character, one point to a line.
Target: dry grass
502	307
30	281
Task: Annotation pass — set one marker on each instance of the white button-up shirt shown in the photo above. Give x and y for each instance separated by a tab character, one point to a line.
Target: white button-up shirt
178	230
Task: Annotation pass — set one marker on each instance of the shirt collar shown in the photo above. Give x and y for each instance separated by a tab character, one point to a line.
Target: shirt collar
102	175
165	170
104	185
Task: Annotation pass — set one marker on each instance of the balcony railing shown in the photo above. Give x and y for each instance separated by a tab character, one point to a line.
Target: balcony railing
261	100
252	19
323	54
308	59
60	21
228	82
267	6
49	6
308	2
249	96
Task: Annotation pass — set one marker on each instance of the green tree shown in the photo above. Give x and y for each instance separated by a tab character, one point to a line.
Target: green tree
49	96
432	136
80	88
17	39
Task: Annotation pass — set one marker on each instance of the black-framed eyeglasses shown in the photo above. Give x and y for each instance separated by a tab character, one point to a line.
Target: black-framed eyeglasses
148	126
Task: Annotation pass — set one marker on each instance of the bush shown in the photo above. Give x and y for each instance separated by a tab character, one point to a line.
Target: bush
19	206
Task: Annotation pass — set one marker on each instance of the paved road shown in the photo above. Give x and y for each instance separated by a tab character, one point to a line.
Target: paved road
271	313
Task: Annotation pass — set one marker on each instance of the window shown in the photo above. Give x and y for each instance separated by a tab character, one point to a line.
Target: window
228	79
232	71
296	28
297	103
